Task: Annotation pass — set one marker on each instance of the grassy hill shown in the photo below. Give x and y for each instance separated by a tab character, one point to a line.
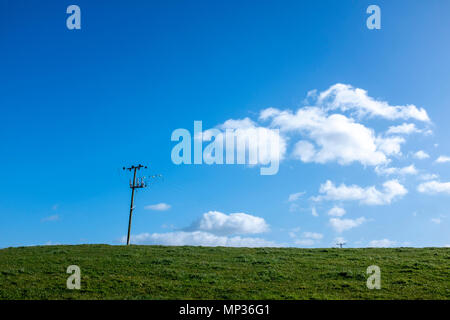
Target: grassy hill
158	272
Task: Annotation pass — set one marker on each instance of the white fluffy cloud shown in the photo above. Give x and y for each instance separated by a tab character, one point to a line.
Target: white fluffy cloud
421	155
305	151
383	243
390	145
158	207
341	225
262	145
235	223
347	98
212	229
335	137
198	238
392	189
321	134
409	170
405	128
336	211
443	159
433	187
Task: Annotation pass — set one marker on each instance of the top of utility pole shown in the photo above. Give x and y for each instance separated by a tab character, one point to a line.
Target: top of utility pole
340	244
138	167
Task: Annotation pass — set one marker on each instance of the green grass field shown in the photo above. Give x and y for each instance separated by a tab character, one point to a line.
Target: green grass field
158	272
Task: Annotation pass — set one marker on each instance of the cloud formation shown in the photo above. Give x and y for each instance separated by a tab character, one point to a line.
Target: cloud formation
336	211
329	130
307	239
263	145
442	159
304	242
428	176
295	196
312	235
212	229
433	187
436	220
341	225
409	170
198	238
219	223
405	128
347	98
158	207
332	137
392	190
383	243
421	155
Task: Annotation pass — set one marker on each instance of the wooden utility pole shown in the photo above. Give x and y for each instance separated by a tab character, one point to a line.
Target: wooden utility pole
135	184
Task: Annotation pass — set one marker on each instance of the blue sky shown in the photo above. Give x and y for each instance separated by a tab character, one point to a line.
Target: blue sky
78	105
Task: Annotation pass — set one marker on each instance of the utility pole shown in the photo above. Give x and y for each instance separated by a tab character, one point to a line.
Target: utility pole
340	244
135	184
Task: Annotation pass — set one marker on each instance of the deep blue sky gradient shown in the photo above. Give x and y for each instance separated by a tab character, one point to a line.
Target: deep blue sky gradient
78	105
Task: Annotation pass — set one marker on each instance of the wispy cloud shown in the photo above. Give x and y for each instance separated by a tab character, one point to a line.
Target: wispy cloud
442	159
436	220
341	225
428	176
383	243
409	170
158	207
304	242
295	196
312	235
405	128
434	187
307	239
347	98
421	155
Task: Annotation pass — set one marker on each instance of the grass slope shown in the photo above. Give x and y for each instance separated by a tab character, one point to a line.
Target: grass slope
158	272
